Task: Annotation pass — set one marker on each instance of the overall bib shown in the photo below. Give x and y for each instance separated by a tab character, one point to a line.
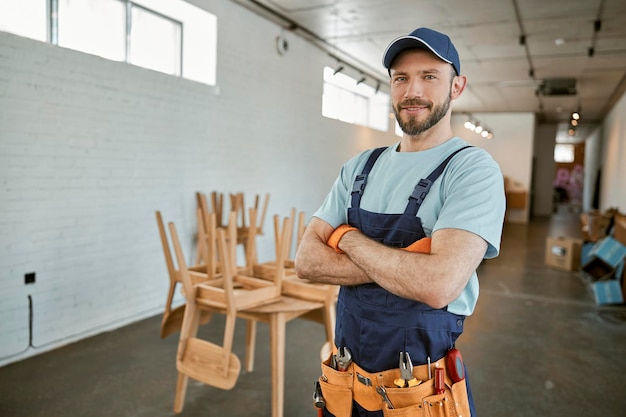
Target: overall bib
375	324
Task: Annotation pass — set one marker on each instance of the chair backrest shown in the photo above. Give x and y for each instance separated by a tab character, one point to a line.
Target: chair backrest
238	205
248	239
183	272
273	270
206	240
301	228
171	268
217	204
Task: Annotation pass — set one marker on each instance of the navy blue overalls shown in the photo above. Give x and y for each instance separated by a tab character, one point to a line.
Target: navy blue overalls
375	324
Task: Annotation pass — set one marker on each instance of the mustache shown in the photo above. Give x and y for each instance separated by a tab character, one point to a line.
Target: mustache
414	102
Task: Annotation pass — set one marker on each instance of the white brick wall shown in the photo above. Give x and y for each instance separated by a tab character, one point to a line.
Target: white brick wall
90	148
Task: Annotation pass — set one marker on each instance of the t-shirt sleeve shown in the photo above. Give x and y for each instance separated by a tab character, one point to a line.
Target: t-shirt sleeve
333	210
474	201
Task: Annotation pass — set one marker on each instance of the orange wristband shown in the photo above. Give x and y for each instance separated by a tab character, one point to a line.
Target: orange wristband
337	234
421	246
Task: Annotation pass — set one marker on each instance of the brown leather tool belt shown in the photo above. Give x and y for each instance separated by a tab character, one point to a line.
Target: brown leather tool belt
340	388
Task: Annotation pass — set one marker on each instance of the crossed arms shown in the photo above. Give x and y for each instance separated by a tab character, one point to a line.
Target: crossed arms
435	279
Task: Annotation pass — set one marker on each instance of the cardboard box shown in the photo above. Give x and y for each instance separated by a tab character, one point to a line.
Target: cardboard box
594	225
563	252
585	252
609	250
516	199
622	277
619	228
597	270
607	292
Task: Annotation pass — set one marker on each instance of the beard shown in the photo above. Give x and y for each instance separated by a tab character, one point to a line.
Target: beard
414	127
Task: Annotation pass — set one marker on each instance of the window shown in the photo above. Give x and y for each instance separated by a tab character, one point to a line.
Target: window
155	41
360	104
97	27
26	18
170	36
564	152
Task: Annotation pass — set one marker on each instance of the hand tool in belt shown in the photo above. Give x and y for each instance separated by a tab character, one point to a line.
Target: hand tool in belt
318	399
406	372
455	365
343	359
383	393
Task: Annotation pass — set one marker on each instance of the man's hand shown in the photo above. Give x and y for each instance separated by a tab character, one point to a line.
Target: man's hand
419	246
317	261
337	234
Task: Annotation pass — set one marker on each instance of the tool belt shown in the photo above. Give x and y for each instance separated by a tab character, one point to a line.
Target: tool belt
340	388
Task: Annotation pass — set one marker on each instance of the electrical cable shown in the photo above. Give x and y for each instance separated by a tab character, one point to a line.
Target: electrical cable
75	336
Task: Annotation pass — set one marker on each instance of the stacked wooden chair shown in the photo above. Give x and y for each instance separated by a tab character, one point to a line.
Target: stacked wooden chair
235	292
173	316
292	285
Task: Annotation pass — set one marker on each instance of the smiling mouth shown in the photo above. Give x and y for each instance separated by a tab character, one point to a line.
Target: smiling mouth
414	106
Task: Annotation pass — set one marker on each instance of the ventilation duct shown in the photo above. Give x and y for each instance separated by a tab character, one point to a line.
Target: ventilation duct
558	87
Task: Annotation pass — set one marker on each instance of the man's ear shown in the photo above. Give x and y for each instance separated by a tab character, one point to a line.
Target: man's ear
458	85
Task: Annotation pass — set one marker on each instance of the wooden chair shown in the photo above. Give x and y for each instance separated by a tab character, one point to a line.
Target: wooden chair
238	296
310	290
291	284
216	207
237	204
173	317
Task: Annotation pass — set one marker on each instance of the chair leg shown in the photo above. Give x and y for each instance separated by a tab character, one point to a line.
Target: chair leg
250	344
229	335
181	392
330	315
277	353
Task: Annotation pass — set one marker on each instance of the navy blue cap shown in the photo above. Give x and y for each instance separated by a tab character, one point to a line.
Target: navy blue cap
436	42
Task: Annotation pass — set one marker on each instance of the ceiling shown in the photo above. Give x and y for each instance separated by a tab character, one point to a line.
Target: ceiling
510	49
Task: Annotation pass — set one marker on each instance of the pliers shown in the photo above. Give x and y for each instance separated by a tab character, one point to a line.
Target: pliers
406	372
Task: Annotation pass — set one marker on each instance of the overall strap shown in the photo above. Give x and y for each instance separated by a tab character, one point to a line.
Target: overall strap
423	186
361	180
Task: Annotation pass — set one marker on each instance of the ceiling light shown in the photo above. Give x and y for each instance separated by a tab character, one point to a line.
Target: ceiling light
575	115
559	41
597	25
477	127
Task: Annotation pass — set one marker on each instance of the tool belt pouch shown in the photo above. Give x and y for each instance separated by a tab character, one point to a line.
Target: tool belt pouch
337	389
419	400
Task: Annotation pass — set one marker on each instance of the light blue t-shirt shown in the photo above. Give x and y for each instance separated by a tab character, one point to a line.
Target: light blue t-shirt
468	195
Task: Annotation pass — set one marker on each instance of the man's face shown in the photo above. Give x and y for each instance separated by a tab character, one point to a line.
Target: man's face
421	90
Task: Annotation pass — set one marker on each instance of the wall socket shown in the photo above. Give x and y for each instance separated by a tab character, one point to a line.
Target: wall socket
29	278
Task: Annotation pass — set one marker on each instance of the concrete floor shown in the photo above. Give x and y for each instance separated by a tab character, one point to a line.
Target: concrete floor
537	345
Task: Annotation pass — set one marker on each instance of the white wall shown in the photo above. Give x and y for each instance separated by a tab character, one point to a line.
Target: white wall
511	147
90	148
613	179
593	158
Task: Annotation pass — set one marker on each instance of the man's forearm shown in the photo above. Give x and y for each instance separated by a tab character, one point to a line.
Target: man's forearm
408	275
317	261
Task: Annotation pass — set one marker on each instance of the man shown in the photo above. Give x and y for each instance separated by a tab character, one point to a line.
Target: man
429	185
